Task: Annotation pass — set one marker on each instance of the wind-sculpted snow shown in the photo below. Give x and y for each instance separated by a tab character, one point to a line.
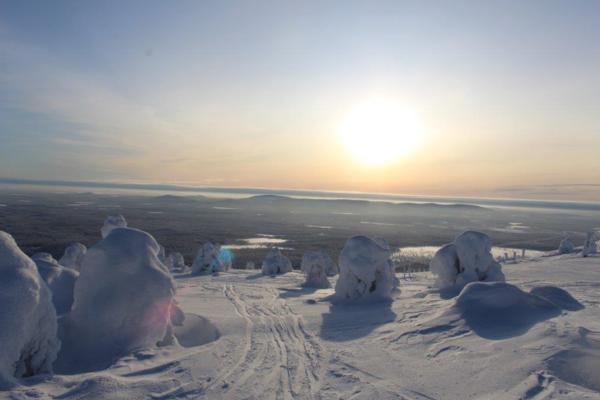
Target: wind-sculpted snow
111	222
123	302
314	265
276	263
557	296
468	259
59	279
566	246
28	342
207	260
73	256
366	271
498	310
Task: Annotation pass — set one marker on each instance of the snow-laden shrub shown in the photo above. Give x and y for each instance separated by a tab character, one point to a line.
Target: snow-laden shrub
123	302
590	246
366	271
59	279
73	256
276	263
468	259
566	246
175	262
111	222
207	260
28	342
314	265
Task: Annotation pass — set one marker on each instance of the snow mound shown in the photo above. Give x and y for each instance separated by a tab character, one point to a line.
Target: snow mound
366	271
276	263
73	256
123	302
111	222
314	265
557	296
27	316
207	260
468	259
195	331
59	279
498	310
175	262
566	246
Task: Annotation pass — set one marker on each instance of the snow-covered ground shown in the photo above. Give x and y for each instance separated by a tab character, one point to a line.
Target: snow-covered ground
278	340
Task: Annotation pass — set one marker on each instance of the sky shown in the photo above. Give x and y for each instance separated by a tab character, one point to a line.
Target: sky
256	94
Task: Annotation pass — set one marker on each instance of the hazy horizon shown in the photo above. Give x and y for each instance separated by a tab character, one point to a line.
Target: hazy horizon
494	99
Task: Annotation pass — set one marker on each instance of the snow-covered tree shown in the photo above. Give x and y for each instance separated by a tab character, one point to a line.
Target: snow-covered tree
566	246
314	265
28	342
468	259
123	301
111	222
591	244
73	256
175	262
59	279
276	263
366	271
207	260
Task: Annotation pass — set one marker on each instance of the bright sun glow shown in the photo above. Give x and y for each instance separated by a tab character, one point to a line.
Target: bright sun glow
380	131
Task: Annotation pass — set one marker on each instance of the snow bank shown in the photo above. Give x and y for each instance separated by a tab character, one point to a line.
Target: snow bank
366	271
112	222
27	317
566	246
59	279
73	256
123	302
314	265
498	310
590	246
468	259
207	260
276	263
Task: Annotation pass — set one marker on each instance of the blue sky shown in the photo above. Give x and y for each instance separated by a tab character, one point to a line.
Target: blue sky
252	93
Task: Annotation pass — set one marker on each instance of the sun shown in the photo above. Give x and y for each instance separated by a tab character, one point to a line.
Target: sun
380	131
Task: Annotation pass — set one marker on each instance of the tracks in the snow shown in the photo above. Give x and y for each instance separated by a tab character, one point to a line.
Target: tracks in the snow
279	358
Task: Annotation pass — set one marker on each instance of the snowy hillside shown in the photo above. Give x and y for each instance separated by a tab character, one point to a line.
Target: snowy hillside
276	339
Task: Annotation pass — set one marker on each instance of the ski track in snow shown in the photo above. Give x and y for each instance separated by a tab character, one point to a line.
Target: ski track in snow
280	359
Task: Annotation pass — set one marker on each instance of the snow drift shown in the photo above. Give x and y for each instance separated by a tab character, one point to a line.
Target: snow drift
276	263
111	222
123	302
468	259
498	310
27	316
73	256
314	265
207	260
59	279
366	271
